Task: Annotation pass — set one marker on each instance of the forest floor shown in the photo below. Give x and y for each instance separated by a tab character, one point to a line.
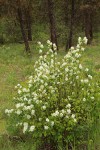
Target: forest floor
16	66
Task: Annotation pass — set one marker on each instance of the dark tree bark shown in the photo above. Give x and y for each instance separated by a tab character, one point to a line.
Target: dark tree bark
52	22
88	11
91	27
28	23
70	37
88	26
21	21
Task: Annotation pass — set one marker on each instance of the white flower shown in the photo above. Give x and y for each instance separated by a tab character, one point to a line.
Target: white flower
82	80
37	101
40	119
31	77
29	101
80	66
39	43
6	110
66	69
85	40
44	107
86	80
58	63
78	46
25	127
77	77
75	120
71	82
73	116
84	99
75	68
52	91
68	105
52	123
18	85
61	114
47	120
82	49
30	85
55	53
92	97
25	90
86	69
64	64
50	50
79	39
88	93
18	112
19	91
72	48
48	42
9	111
66	116
63	111
41	57
68	111
77	55
25	99
41	68
54	45
40	51
77	61
18	105
57	112
32	128
66	78
28	116
18	124
30	81
42	87
52	55
46	127
33	112
52	61
58	82
22	104
53	114
90	77
45	84
41	46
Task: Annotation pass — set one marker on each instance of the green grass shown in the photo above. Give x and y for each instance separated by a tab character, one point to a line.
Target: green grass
16	66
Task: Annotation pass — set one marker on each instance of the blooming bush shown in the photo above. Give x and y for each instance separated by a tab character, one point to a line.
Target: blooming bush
58	98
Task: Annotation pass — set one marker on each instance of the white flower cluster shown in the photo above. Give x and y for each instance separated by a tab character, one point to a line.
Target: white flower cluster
56	93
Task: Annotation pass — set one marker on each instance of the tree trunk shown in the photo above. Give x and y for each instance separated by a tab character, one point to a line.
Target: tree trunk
21	21
88	26
91	26
28	24
52	23
70	37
